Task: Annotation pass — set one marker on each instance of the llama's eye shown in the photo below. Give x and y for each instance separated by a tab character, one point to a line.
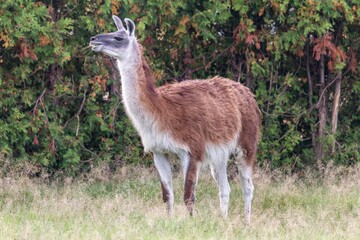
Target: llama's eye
118	38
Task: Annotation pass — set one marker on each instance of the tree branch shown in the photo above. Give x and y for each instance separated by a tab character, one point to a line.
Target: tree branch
38	100
78	113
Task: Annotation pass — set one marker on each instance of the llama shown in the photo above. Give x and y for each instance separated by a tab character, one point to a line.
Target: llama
200	121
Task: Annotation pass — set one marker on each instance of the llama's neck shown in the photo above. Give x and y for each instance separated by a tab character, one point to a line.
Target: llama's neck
138	88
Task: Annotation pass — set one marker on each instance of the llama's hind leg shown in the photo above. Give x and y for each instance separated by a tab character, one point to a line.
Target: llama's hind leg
218	171
191	169
245	167
163	166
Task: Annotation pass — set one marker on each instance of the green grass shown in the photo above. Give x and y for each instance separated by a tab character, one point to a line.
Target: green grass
131	208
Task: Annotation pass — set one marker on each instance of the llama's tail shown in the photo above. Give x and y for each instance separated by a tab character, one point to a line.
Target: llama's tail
251	124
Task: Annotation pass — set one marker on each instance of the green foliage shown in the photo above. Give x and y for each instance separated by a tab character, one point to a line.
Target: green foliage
52	110
53	106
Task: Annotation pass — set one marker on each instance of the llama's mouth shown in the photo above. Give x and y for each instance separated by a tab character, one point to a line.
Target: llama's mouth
95	46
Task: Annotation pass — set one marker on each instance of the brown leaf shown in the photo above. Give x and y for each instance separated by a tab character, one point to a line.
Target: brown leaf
52	146
232	49
50	10
148	41
337	4
299	53
33	55
36	140
103	83
251	39
330	65
25	51
99	114
353	61
322	46
174	54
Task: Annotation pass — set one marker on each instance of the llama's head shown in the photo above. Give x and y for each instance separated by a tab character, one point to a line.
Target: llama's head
115	44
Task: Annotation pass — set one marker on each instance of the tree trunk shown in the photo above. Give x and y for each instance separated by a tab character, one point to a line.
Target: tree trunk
322	114
311	93
188	70
248	80
54	72
335	109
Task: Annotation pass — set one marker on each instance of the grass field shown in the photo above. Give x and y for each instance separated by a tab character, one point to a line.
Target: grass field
129	206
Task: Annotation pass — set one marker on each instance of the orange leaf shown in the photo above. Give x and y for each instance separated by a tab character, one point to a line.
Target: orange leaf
261	12
337	4
6	40
100	22
184	20
135	9
275	5
38	4
115	5
103	84
33	55
44	40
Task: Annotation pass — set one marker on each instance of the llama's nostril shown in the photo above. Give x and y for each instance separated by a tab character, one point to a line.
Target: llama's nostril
92	38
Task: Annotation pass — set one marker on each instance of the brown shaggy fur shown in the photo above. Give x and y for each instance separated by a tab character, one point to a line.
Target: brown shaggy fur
197	112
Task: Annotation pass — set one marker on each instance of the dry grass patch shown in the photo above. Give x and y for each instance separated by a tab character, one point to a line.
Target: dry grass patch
128	206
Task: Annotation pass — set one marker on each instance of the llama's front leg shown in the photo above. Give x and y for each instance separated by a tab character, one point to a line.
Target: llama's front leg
164	169
191	171
218	171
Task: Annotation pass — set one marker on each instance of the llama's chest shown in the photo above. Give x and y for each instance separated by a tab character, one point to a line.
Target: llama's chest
157	141
153	139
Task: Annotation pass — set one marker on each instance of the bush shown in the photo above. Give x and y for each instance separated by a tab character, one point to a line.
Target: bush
60	103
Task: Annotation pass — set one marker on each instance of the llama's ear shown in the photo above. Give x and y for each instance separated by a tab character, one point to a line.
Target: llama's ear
118	23
130	25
